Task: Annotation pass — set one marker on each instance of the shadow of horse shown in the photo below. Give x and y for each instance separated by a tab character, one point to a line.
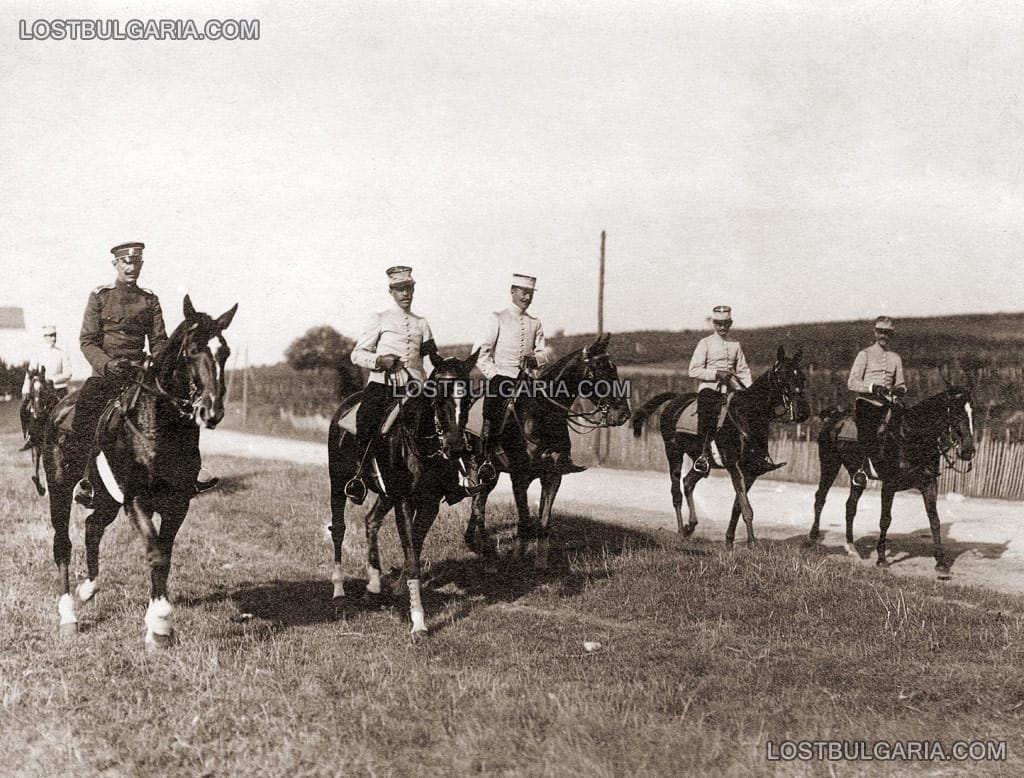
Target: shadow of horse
455	587
910	545
241	482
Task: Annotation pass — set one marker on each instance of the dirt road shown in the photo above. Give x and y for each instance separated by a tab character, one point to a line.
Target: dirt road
984	539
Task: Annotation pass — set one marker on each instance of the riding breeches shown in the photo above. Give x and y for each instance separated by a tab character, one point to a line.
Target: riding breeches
868	417
95	394
377	398
709	405
499	389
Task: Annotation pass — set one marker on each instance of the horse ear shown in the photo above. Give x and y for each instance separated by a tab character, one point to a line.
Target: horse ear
586	352
799	353
225	318
470	362
190	312
780	354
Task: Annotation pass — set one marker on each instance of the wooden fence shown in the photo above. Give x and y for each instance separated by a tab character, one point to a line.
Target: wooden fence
997	469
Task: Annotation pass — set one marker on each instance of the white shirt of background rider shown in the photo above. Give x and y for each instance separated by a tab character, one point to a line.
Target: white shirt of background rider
56	362
714	353
509	336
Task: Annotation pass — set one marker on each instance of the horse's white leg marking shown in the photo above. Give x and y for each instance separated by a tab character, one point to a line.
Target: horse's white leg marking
540	562
68	620
372	579
970	418
419	624
159	626
338	579
86	589
851	550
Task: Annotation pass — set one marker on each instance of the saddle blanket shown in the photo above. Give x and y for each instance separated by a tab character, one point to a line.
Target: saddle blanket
687	421
847	430
348	421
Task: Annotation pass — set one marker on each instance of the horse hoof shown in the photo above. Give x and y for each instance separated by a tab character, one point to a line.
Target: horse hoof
418	634
944	572
40	490
155	642
882	563
687	530
68	630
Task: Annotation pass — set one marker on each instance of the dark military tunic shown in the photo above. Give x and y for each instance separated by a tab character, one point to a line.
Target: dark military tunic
118	319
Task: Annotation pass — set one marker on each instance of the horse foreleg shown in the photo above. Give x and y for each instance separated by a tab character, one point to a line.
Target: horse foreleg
740	485
476	531
411	569
524	529
40	489
888	493
373	521
337	528
159	626
550	483
930	493
60	519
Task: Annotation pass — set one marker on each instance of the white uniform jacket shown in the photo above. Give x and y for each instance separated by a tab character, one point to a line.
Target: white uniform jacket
393	332
715	353
508	336
57	364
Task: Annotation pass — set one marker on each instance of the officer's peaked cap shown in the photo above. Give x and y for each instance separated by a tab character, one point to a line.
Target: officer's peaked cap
133	249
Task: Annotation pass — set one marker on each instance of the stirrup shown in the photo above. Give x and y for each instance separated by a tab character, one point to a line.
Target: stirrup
355	490
84	493
701	465
204	486
487	472
859	478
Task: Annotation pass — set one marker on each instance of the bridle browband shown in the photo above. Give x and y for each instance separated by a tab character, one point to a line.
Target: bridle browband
584	422
185	407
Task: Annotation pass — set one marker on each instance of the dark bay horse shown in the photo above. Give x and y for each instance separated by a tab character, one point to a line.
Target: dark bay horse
148	462
920	437
42	398
528	423
417	465
775	395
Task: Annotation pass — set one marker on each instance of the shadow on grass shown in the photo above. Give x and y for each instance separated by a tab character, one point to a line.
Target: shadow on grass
901	547
242	482
580	549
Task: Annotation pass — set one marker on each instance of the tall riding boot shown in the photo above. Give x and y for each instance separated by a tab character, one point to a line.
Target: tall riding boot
486	472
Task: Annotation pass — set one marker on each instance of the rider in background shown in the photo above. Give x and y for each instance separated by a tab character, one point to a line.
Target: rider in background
877	378
720	365
512	345
55	361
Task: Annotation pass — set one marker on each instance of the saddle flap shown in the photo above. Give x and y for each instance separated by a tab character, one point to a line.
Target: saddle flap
687	421
475	420
348	420
847	430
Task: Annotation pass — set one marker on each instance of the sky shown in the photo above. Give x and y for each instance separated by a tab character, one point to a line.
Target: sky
796	160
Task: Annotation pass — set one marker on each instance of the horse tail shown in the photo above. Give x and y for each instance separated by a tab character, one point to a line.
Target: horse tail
643	413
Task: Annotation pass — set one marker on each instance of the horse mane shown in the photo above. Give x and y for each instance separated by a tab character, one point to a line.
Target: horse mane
560	364
164	360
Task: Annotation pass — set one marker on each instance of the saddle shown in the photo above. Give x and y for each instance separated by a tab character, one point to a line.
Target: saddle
847	429
348	420
687	421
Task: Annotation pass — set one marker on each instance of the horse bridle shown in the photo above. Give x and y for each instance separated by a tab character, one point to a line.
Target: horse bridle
776	383
951	440
593	419
186	407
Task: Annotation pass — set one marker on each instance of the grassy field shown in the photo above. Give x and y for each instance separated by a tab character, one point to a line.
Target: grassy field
705	655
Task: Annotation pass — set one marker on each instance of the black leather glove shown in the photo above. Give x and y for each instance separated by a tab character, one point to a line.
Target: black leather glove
387	361
119	367
528	363
899	392
723	376
879	391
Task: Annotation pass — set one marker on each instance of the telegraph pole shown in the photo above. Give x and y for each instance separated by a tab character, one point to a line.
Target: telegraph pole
600	292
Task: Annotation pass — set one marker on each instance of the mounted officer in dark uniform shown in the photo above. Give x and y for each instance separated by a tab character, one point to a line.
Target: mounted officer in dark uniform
119	318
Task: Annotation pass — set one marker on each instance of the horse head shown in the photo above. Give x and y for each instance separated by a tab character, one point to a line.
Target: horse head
449	383
199	368
603	385
959	422
41	397
786	379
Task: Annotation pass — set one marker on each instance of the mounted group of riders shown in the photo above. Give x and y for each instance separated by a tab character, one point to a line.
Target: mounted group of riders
121	316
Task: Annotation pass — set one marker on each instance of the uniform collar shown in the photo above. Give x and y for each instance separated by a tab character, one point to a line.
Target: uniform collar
515	310
119	285
396	308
